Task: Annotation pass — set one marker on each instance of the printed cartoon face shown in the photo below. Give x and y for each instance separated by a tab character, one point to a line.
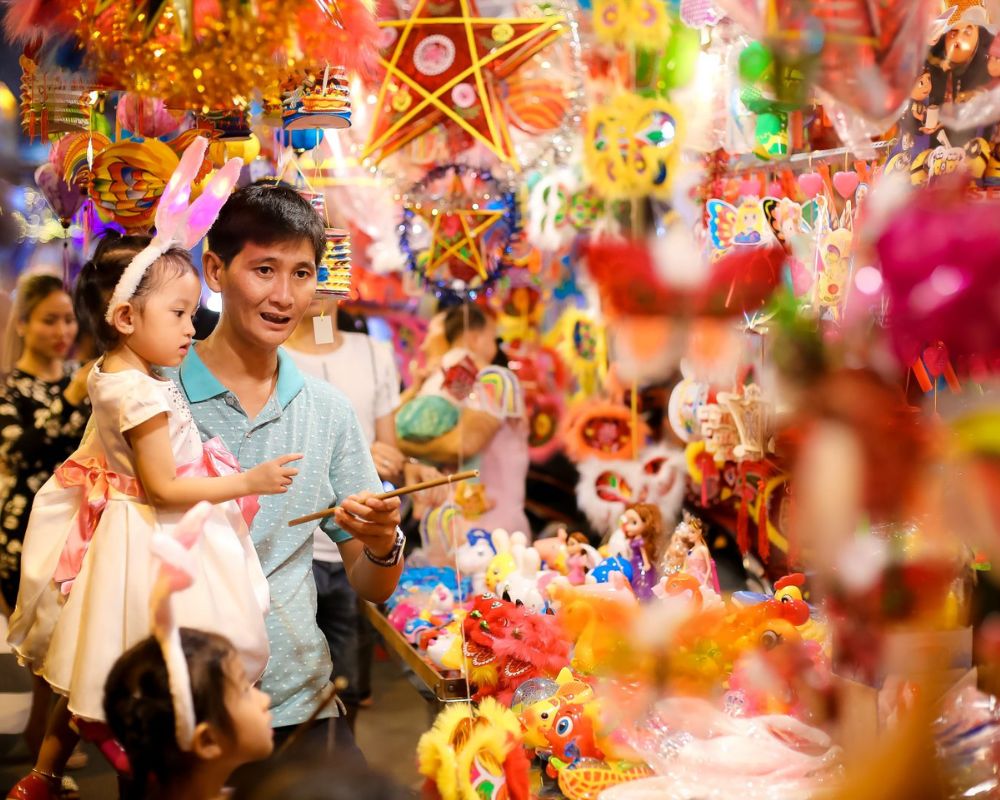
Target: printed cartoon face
922	89
961	42
748	223
945	160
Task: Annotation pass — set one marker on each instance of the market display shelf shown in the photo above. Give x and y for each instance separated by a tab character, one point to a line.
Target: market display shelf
447	687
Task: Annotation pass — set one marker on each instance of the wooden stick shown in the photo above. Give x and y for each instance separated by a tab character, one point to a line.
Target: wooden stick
416	487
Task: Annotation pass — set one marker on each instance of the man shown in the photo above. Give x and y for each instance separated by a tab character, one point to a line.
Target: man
262	257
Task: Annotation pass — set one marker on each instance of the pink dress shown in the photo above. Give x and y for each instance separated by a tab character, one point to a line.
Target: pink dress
503	463
87	567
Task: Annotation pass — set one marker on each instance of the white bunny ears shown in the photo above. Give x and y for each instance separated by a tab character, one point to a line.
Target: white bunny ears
177	223
177	571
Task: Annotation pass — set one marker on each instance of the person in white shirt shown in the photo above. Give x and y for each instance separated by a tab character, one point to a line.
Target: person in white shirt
365	371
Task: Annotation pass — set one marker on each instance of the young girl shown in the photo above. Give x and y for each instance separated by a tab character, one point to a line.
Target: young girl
87	565
232	723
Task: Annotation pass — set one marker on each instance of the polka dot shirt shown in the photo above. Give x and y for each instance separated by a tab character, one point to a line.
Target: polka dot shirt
303	415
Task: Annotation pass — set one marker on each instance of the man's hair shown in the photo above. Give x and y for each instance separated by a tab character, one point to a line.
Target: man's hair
460	319
265	212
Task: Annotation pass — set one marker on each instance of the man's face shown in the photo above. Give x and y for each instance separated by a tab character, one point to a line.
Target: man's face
266	290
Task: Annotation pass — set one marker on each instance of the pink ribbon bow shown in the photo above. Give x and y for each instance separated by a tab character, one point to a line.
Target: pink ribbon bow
216	462
96	480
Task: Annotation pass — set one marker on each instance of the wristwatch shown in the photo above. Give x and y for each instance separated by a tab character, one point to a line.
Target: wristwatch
393	557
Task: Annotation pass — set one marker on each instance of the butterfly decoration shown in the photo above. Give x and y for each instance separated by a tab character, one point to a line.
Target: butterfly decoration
631	146
737	226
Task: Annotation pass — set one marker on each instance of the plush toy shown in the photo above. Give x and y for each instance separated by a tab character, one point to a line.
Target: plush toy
474	557
503	563
473	753
505	645
521	585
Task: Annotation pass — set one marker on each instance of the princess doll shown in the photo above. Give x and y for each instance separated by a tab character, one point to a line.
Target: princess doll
88	560
688	541
580	559
642	525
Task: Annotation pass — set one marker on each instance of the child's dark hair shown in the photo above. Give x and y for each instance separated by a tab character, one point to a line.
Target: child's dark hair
459	319
100	275
140	711
265	213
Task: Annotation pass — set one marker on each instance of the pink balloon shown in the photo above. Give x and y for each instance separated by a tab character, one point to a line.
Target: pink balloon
65	200
147	116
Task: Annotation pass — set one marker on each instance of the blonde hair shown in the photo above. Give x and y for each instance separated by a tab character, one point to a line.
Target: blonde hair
31	291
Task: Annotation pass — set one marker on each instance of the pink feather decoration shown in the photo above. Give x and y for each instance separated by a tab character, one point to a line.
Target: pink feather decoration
27	20
939	258
351	44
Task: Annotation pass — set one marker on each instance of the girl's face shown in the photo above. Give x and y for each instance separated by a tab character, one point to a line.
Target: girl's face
923	88
163	329
247	706
49	331
632	524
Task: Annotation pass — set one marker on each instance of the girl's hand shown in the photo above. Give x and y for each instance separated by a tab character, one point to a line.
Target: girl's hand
272	477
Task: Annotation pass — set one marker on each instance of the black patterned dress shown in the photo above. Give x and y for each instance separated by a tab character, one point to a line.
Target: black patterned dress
39	429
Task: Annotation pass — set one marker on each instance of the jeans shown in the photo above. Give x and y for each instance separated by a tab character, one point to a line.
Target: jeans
339	617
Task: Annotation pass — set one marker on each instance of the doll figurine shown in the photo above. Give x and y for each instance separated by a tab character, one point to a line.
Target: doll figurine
642	524
689	539
578	561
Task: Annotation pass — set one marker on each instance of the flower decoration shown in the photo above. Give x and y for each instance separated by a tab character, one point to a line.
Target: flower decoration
632	146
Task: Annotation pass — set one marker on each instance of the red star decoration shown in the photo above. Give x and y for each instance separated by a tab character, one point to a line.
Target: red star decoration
443	67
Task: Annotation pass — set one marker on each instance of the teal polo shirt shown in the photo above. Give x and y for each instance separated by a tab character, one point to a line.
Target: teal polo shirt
303	415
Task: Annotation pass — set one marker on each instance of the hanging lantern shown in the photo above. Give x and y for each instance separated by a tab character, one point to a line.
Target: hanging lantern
316	99
334	274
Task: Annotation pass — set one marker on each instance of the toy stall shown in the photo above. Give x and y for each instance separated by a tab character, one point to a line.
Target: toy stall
742	260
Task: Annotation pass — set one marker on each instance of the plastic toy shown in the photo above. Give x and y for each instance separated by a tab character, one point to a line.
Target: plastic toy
603	571
643	527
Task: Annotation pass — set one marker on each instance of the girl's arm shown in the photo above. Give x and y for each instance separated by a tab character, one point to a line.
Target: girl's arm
157	472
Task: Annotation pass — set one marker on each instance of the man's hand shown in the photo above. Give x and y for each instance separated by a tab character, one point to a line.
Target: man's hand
371	521
388	461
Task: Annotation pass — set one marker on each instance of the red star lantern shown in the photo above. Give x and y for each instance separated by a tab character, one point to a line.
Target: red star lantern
443	66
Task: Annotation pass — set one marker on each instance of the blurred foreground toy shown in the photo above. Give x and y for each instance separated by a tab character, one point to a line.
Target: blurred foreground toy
474	752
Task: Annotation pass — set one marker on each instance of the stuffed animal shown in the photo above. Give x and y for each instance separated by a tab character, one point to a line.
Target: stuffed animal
521	585
474	557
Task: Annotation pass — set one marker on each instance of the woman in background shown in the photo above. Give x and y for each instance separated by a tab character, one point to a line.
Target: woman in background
43	412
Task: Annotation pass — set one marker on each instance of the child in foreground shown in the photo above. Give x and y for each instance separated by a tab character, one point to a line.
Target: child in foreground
232	723
87	560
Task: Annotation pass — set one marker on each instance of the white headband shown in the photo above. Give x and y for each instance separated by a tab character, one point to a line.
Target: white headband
176	573
177	223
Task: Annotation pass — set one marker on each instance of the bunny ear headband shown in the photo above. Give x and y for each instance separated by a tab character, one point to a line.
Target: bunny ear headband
177	223
177	571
